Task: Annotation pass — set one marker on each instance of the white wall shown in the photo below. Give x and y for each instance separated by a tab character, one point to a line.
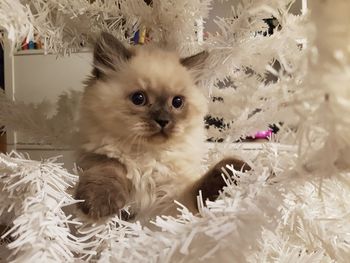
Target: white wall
32	77
38	77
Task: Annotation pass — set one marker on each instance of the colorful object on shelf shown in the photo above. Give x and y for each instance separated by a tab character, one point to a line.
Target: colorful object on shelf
39	45
263	134
24	45
141	36
32	44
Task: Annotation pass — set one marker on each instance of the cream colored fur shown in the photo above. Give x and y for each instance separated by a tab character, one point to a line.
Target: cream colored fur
161	170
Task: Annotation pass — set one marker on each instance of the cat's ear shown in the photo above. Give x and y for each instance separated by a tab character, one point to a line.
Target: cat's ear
195	61
195	64
109	53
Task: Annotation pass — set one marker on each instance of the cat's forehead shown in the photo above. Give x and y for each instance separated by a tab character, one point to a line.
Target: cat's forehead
159	88
160	72
164	91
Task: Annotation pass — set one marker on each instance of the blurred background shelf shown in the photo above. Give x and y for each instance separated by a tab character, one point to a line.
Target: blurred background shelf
28	52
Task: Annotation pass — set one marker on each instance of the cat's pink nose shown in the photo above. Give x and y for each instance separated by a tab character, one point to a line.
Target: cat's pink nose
162	123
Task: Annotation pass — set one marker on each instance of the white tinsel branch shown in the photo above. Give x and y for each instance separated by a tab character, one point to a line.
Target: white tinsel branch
324	109
241	46
293	206
35	191
227	229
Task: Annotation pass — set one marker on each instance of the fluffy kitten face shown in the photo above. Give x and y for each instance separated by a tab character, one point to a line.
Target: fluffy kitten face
143	96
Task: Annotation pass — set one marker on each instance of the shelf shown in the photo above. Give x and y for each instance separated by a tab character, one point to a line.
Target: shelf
29	52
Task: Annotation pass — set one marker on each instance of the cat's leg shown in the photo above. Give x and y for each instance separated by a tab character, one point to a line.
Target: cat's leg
104	187
211	183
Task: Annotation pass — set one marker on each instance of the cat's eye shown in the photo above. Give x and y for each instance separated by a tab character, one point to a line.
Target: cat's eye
138	98
177	102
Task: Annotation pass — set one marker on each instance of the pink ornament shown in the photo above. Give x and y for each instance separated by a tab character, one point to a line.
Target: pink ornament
263	134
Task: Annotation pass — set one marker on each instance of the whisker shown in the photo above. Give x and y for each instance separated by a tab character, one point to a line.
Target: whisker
138	138
134	140
140	127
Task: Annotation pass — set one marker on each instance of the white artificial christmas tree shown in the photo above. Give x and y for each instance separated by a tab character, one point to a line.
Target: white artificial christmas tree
241	50
292	207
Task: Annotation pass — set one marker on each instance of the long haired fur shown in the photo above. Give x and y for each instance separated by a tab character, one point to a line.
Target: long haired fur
121	139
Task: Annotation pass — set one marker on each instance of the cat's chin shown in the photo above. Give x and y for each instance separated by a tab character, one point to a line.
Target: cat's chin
159	137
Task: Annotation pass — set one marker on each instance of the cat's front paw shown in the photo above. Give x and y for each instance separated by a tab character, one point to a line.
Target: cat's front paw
102	199
212	182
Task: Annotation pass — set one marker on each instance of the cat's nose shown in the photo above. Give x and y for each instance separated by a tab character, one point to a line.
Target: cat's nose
162	123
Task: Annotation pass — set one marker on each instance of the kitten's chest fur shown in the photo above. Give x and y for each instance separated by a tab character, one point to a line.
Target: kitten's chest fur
159	174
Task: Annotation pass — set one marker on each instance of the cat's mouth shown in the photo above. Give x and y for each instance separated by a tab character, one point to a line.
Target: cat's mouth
161	135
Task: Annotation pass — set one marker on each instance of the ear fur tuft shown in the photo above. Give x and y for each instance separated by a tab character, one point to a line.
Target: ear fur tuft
195	61
109	52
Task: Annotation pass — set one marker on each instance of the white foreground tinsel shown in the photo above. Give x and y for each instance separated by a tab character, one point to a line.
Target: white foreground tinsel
34	193
292	207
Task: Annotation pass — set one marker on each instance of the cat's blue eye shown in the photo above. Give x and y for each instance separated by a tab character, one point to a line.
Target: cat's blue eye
177	102
138	98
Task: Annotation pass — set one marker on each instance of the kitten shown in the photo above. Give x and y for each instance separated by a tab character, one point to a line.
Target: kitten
142	133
